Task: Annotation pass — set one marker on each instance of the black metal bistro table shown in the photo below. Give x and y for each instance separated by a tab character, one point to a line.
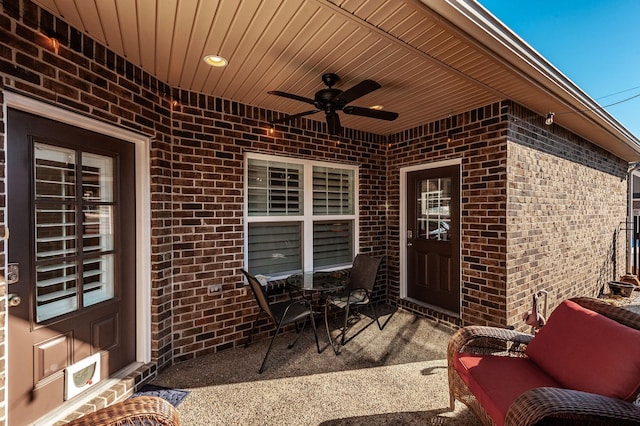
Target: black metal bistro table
319	282
315	286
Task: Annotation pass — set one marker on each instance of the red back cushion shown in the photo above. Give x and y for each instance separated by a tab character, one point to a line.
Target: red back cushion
589	352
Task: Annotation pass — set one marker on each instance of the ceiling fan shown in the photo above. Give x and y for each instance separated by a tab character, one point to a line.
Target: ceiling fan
332	100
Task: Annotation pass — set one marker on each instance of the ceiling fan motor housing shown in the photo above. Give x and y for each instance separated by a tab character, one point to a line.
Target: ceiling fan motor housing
325	96
331	100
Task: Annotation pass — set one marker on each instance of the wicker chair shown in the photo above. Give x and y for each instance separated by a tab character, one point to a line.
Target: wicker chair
139	411
544	405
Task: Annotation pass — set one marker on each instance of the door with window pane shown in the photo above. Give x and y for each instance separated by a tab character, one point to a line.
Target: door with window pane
433	237
72	225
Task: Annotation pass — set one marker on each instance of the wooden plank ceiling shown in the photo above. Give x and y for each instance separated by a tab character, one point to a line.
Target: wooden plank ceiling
429	67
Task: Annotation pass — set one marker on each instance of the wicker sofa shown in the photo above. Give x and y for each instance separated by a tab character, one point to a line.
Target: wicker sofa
582	368
142	410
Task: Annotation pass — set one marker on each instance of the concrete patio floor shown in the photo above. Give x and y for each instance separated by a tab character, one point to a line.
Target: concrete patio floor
395	376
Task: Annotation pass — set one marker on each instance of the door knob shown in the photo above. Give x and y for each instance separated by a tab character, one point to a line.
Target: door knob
14	300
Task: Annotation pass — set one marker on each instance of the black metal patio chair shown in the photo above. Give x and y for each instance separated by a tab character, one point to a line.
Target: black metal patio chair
357	294
280	314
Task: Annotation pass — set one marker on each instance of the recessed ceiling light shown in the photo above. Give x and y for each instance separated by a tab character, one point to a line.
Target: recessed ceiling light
216	61
378	107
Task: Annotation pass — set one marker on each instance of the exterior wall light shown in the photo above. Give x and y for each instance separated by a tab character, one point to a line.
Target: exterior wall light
549	120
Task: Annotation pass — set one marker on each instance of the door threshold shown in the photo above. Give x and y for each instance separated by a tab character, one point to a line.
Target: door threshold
112	389
436	313
433	307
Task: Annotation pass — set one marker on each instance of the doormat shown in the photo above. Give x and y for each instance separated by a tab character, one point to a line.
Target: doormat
174	396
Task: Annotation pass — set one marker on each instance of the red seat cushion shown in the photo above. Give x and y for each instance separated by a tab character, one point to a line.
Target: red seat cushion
589	352
497	380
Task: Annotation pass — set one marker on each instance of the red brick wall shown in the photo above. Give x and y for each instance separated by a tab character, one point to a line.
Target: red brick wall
197	151
539	206
84	77
566	201
196	188
210	138
478	138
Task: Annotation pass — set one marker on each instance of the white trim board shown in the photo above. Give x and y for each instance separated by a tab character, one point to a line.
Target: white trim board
403	212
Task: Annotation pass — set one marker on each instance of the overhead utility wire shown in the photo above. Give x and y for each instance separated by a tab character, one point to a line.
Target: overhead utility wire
604	106
617	93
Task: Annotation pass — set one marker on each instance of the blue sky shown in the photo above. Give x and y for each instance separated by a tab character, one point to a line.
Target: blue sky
595	43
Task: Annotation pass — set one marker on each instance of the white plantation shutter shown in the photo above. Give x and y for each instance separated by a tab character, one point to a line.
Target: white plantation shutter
275	247
333	191
332	243
299	215
274	188
64	246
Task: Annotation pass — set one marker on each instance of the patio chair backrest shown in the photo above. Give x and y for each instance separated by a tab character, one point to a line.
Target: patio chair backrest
259	293
364	272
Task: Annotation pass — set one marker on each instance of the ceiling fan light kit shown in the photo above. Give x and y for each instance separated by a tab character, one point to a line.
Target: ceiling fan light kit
332	100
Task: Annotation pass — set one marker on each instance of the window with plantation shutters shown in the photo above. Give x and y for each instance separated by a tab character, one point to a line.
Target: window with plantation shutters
300	215
73	228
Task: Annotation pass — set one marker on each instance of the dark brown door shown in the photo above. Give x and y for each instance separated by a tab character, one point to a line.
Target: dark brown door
71	213
433	237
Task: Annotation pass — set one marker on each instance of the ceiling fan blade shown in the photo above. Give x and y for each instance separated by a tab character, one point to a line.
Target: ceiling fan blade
368	112
292	96
293	117
333	123
357	91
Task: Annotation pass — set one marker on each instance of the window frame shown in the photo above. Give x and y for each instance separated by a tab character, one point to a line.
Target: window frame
308	217
76	294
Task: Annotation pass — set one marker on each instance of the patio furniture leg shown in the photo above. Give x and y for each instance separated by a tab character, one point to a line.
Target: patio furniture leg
299	333
264	361
326	324
255	322
375	315
315	332
346	324
292	344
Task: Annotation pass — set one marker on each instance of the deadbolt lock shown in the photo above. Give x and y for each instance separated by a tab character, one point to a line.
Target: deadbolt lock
13	273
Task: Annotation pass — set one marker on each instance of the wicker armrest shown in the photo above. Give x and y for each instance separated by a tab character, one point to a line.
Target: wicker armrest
483	339
143	410
570	407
